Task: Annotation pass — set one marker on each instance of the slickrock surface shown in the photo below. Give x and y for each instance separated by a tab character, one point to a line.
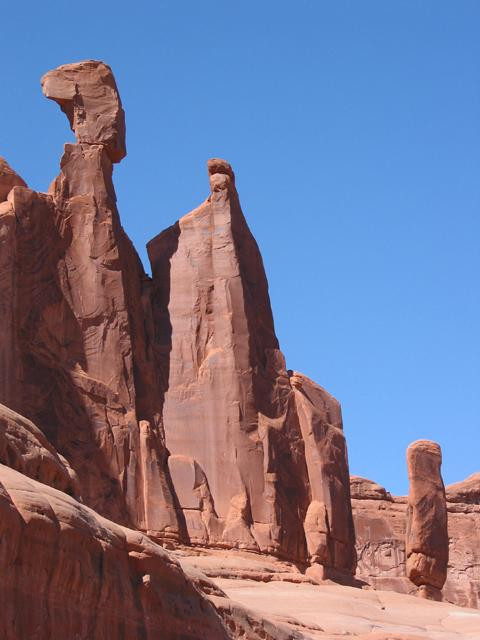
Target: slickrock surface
267	443
24	447
427	536
279	592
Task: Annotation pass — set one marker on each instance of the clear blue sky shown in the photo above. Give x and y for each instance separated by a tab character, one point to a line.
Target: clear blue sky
354	131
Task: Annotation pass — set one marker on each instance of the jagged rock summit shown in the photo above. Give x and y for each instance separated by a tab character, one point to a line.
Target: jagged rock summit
142	413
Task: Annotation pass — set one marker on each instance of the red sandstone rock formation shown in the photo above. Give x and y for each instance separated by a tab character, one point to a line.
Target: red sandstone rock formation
427	536
380	528
267	446
8	180
67	573
88	95
74	351
166	405
25	448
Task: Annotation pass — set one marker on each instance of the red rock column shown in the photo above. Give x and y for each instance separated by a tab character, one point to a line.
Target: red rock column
74	348
427	535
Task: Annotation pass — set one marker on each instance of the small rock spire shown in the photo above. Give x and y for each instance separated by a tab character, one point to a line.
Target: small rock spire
427	534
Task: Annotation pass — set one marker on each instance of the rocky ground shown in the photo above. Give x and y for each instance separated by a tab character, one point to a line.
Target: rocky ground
281	593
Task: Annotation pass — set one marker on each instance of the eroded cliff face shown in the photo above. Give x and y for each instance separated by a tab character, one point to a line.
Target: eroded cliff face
168	398
267	444
74	353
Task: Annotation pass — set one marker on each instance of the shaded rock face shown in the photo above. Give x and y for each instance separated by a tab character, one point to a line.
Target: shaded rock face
74	351
427	535
268	442
23	447
66	572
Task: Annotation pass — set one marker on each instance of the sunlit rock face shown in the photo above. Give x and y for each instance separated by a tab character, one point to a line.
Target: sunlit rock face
268	442
141	413
427	535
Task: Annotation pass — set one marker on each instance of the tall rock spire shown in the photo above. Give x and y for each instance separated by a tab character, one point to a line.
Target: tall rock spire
427	535
266	450
83	374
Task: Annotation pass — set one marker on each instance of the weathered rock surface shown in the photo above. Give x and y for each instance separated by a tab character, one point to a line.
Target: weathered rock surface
74	350
165	404
380	528
23	447
364	489
427	535
8	179
465	492
268	442
88	95
66	572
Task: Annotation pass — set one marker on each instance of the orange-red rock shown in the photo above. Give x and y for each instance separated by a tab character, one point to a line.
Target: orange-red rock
268	442
74	348
8	179
88	95
427	534
380	528
66	572
166	405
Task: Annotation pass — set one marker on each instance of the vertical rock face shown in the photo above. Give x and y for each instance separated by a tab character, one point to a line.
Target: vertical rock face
75	348
269	444
427	536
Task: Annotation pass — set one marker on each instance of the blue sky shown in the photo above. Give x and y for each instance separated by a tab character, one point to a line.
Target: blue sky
354	131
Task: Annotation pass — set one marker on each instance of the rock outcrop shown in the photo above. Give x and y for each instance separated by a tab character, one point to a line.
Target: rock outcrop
380	528
268	443
8	180
66	572
138	412
74	350
427	534
87	93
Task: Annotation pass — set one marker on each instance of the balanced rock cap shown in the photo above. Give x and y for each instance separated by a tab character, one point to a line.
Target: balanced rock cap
87	93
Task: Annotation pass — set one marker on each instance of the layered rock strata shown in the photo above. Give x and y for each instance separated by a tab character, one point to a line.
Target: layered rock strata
427	534
265	444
